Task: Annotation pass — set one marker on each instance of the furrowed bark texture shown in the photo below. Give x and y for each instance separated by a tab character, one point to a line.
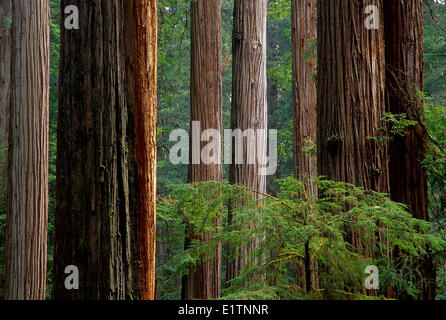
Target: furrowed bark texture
351	77
27	215
350	100
249	102
141	62
206	107
304	37
405	72
303	40
5	69
105	165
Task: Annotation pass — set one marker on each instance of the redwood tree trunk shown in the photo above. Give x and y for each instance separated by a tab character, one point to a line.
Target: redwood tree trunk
405	69
141	31
249	101
206	107
27	217
351	75
350	100
5	69
303	39
105	220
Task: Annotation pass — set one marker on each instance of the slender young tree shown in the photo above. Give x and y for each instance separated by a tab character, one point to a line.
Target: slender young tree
204	281
27	215
303	39
106	176
249	104
405	69
350	96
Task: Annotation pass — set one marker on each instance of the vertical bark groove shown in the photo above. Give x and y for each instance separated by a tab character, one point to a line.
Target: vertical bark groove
141	54
105	220
350	100
405	79
303	40
27	217
206	107
249	101
5	67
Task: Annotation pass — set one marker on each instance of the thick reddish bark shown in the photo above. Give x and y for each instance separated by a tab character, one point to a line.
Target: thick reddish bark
204	282
351	81
141	66
249	101
405	69
106	172
27	215
350	100
303	39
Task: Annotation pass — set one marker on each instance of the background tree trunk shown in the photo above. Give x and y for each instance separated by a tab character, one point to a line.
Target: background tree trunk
27	217
105	220
304	37
405	80
206	107
5	68
304	54
249	101
350	100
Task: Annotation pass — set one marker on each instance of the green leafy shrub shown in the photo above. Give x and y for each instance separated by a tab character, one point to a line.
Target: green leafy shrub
283	225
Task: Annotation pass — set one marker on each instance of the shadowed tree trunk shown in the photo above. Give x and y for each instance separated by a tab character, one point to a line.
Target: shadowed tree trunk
249	103
5	68
27	215
206	107
350	99
106	177
405	68
303	38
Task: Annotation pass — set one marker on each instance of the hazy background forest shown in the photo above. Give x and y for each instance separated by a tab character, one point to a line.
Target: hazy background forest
173	108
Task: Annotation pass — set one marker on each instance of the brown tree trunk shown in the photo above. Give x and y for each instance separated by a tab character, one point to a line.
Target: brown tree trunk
405	68
249	102
27	217
206	107
141	30
303	38
350	100
105	220
5	69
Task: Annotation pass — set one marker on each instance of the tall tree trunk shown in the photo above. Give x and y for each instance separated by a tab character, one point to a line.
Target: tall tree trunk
141	30
249	102
405	69
303	38
5	69
27	217
105	220
206	107
350	100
